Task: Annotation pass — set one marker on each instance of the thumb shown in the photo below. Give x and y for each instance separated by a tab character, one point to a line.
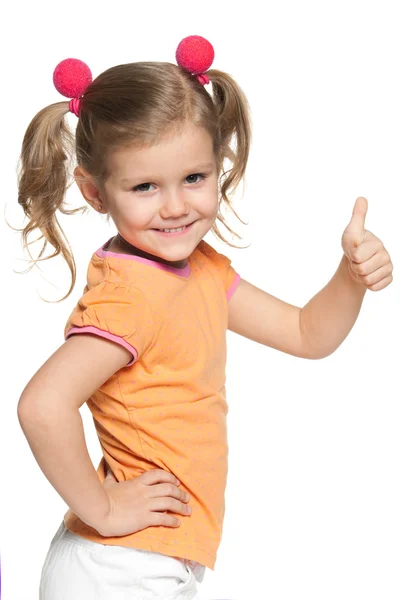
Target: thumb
356	228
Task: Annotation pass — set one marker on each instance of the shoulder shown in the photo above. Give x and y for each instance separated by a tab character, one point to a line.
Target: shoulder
212	255
112	292
114	279
106	301
116	311
222	266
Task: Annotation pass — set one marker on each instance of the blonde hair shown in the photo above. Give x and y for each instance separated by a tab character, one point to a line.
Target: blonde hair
128	104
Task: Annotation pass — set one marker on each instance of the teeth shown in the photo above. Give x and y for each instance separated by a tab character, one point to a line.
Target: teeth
173	230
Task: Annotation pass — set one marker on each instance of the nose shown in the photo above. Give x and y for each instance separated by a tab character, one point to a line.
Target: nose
174	204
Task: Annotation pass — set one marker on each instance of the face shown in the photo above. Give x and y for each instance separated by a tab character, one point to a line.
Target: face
169	185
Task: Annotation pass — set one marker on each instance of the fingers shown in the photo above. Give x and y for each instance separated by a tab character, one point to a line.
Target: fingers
167	489
158	476
164	519
170	504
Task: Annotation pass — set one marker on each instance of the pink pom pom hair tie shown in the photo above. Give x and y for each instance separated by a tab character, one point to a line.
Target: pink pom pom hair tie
195	54
74	106
71	78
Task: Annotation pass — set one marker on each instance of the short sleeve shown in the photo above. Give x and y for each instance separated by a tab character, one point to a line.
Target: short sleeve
230	278
115	311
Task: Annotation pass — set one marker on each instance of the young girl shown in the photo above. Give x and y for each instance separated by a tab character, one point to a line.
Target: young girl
146	344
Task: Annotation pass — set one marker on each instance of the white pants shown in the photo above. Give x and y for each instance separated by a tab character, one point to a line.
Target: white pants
78	569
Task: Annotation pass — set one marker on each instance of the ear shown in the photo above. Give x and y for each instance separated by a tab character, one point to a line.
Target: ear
89	190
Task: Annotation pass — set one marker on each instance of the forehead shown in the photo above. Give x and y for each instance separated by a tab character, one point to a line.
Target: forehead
173	152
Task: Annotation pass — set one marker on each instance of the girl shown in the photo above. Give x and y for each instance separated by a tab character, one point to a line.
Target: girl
145	345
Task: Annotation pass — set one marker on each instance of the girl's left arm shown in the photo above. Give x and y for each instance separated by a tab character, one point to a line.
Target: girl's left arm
319	328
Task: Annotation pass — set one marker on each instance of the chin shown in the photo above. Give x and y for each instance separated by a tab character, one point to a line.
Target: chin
173	257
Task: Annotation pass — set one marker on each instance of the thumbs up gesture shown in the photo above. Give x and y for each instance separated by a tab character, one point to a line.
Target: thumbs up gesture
369	262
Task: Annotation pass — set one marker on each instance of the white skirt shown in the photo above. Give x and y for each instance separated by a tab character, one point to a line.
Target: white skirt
79	569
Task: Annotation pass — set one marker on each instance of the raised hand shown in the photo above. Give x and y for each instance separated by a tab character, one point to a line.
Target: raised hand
369	262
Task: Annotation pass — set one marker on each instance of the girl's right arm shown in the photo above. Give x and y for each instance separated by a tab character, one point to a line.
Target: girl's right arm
48	412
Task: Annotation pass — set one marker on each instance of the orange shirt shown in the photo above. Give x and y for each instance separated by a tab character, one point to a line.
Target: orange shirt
167	408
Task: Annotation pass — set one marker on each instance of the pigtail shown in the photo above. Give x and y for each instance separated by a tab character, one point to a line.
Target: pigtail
235	126
45	159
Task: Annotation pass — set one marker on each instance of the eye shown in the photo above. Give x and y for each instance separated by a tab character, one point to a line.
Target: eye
139	188
201	175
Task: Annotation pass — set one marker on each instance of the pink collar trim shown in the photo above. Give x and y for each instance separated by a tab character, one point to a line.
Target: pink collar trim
185	272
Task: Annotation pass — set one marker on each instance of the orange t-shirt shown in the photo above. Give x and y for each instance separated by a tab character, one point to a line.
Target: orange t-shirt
166	409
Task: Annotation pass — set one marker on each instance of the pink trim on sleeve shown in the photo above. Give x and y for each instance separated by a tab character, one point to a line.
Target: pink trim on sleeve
233	287
108	336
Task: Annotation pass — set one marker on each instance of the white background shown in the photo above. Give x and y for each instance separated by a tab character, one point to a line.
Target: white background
313	492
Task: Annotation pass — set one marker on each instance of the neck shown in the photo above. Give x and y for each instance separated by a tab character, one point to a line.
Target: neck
126	248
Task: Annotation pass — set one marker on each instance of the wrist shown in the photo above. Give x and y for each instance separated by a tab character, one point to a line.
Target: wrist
99	514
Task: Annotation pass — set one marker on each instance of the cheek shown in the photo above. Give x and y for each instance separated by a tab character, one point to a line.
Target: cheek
136	214
208	203
210	206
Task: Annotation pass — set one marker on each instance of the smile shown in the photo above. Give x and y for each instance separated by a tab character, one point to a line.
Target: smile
174	232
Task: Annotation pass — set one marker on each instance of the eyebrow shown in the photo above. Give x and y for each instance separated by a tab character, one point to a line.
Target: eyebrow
195	169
